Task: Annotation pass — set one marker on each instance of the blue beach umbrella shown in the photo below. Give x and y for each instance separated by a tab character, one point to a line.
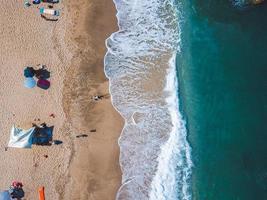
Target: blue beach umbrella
28	72
29	82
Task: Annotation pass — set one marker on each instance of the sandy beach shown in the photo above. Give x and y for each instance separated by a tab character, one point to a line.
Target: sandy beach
72	48
94	170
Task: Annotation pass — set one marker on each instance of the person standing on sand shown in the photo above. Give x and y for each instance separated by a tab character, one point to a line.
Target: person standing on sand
97	97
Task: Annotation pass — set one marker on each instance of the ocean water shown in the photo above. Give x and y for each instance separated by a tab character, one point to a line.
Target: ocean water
223	89
189	78
155	156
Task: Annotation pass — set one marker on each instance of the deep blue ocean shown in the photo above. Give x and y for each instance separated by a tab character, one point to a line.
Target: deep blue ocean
222	73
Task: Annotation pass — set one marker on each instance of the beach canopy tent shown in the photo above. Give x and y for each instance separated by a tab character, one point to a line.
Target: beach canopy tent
4	195
29	82
20	138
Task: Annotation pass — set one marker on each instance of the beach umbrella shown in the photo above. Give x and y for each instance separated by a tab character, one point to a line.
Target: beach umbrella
29	82
28	72
42	73
43	83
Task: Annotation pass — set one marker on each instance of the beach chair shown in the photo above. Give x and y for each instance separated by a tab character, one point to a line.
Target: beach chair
49	11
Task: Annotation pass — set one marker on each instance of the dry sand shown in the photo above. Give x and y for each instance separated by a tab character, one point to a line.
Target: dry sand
73	49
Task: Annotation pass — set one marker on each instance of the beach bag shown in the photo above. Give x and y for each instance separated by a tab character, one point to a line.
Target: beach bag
44	84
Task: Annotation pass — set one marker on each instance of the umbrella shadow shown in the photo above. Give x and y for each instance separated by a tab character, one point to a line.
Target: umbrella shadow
48	19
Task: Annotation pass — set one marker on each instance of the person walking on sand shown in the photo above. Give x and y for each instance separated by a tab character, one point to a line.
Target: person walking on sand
97	97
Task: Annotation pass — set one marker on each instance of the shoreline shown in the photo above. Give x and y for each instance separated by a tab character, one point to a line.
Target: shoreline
140	66
94	171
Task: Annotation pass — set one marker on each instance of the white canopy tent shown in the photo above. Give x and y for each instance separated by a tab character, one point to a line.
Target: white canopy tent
4	195
20	138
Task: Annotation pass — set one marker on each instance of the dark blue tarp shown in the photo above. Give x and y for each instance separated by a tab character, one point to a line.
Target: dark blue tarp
43	136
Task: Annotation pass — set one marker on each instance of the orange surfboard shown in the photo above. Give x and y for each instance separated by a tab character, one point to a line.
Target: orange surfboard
41	193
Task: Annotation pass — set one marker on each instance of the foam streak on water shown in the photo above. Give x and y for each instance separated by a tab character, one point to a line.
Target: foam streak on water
140	63
241	3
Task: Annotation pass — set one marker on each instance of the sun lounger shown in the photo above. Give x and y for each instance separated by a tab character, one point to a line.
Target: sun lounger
49	11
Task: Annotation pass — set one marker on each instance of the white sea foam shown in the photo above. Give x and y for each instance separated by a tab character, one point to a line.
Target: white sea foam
140	63
174	169
241	3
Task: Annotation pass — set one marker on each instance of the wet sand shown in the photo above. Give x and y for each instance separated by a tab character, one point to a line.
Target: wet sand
94	169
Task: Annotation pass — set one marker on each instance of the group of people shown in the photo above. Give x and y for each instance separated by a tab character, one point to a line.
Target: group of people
15	192
99	97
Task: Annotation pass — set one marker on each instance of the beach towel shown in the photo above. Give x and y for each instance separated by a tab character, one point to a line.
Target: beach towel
49	11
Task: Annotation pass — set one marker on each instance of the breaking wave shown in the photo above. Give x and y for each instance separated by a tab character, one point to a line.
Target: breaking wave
140	64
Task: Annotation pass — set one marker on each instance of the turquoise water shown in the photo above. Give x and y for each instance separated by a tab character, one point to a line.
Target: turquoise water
223	89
